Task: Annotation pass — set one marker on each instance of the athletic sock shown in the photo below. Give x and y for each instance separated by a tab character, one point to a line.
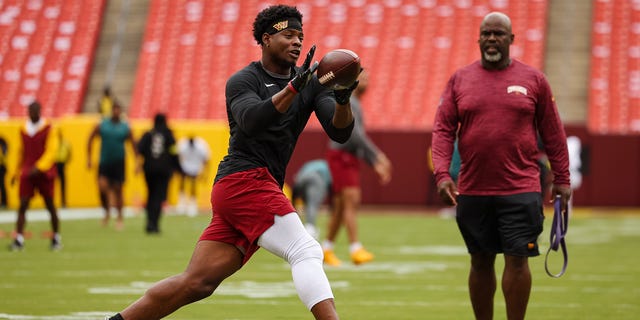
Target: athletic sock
20	238
327	245
117	317
355	246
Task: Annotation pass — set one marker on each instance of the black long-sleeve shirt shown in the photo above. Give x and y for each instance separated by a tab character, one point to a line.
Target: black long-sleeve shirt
359	145
157	147
260	136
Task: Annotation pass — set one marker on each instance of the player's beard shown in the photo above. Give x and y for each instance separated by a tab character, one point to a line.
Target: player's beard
495	57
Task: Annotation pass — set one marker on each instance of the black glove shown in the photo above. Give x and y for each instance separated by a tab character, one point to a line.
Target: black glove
301	79
343	95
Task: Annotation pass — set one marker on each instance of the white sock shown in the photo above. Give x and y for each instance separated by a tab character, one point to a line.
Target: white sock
327	245
57	237
192	207
181	206
20	238
355	246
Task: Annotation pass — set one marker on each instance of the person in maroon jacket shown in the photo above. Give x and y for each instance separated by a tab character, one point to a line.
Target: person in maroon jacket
36	171
500	105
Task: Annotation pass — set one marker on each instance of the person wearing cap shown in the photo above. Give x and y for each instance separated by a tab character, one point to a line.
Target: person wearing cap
269	102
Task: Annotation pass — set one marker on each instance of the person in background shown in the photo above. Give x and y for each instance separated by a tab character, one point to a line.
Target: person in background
106	102
545	169
157	149
344	164
311	186
574	145
113	132
63	156
36	171
269	103
495	107
193	154
4	148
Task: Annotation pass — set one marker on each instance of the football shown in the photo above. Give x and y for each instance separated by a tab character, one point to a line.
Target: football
339	69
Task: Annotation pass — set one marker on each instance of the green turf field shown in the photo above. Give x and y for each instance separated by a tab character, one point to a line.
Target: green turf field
420	272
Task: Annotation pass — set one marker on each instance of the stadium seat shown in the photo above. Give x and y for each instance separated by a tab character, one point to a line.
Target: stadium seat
409	48
46	52
614	81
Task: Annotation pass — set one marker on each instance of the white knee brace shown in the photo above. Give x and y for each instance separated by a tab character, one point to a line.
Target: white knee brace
288	239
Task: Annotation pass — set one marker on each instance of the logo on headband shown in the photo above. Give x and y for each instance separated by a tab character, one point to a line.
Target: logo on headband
281	25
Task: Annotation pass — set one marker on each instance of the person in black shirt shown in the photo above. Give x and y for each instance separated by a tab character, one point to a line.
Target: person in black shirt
157	147
3	173
268	105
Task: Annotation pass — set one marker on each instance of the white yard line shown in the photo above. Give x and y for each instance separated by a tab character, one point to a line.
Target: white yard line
9	216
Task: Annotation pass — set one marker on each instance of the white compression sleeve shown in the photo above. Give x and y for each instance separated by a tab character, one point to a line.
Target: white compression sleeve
288	239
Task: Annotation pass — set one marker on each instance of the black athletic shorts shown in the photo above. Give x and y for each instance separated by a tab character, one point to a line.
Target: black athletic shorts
113	171
501	224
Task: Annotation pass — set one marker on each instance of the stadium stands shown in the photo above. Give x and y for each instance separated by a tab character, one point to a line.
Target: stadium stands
46	52
410	49
614	90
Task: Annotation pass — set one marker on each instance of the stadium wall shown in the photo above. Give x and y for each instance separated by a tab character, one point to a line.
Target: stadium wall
611	174
82	189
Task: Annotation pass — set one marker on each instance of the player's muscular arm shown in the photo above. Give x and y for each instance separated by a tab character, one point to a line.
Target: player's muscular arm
337	121
283	99
342	116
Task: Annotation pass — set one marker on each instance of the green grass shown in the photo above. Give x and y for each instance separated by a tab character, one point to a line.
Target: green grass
420	272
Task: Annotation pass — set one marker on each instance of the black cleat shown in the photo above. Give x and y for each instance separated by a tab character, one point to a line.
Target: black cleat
56	245
16	245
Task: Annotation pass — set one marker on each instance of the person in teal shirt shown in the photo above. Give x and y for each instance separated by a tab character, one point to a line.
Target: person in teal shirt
311	186
113	132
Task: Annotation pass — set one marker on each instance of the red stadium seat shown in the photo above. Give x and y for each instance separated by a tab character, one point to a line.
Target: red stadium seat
46	52
409	48
614	81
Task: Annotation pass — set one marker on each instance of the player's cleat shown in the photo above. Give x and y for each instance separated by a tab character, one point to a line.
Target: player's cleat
361	256
56	245
331	259
16	245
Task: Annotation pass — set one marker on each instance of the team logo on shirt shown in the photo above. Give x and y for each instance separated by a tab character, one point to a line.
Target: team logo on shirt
517	90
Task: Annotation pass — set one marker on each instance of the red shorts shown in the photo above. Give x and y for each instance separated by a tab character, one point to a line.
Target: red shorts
345	169
44	183
244	205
